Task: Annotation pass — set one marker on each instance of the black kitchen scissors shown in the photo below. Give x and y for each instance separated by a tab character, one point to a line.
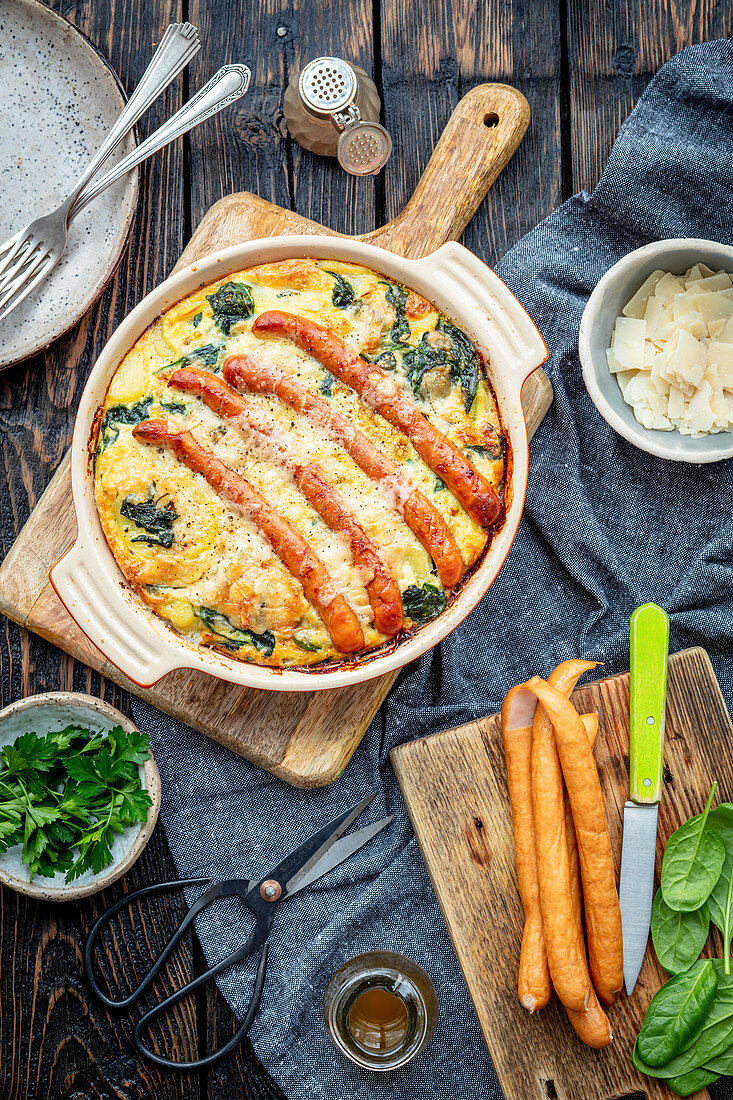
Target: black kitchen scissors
317	856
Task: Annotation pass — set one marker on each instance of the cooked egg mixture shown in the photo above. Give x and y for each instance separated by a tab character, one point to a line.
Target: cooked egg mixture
195	559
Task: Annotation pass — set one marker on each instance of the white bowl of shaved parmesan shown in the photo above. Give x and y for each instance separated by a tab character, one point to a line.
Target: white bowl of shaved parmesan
656	347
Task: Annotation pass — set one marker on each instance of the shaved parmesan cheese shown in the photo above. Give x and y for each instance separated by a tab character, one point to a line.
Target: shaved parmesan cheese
672	351
628	342
637	305
720	359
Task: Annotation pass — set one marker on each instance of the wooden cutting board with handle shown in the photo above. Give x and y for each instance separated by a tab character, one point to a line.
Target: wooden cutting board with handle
306	739
454	784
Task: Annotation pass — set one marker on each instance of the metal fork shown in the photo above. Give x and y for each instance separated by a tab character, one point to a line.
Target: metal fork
227	85
29	255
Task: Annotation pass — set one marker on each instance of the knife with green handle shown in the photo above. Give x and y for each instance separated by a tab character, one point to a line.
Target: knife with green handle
649	649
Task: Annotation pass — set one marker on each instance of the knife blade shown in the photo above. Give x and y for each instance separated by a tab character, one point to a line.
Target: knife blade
649	631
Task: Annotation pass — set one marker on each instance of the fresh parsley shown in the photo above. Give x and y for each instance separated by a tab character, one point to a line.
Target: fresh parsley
65	796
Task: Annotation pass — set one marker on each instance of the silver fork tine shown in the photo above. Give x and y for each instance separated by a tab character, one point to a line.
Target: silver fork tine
21	259
11	241
25	291
14	245
23	281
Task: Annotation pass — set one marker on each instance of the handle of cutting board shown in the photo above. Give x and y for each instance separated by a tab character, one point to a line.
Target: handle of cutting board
482	134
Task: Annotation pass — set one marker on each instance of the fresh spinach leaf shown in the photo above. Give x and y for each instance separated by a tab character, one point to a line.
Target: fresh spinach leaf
343	294
722	1063
460	358
714	1039
693	860
326	386
157	522
721	822
677	1014
439	484
423	603
692	1082
678	938
197	320
386	360
728	924
121	414
305	643
234	637
232	302
207	355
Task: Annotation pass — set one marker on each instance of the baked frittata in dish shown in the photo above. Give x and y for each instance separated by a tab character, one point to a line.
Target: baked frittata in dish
300	463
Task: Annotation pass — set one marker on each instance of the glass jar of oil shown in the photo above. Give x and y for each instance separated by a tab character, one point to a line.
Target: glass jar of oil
380	1009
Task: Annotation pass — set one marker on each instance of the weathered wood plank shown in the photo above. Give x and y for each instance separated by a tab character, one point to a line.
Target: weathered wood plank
614	49
247	147
242	1069
54	1038
432	54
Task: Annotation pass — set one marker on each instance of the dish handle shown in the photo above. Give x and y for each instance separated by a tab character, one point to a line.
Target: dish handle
124	639
514	337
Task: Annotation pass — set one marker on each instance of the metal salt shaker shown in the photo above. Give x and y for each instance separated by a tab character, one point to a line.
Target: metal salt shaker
332	108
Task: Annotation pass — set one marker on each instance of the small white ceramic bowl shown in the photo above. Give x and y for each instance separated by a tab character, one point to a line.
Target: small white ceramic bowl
605	304
53	711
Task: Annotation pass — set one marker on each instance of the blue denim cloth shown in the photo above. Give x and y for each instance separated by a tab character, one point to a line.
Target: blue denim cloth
605	528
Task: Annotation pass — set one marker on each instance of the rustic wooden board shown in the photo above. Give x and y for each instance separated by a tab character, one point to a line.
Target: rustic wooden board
305	738
454	784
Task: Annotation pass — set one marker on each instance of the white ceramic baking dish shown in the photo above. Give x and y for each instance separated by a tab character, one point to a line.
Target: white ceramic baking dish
89	581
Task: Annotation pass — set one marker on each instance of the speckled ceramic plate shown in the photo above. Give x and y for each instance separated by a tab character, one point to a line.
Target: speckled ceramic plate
58	100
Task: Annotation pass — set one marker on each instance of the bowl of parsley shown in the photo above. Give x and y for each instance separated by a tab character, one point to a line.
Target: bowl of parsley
79	795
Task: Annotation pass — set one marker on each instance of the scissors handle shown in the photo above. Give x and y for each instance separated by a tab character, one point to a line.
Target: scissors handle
126	899
257	939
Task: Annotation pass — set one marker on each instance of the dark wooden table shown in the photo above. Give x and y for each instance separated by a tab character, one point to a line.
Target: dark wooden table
581	64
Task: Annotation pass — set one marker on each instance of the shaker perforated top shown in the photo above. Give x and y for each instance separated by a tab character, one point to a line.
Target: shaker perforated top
329	89
364	149
327	85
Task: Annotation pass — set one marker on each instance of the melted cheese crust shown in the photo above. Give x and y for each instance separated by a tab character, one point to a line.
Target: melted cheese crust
195	559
